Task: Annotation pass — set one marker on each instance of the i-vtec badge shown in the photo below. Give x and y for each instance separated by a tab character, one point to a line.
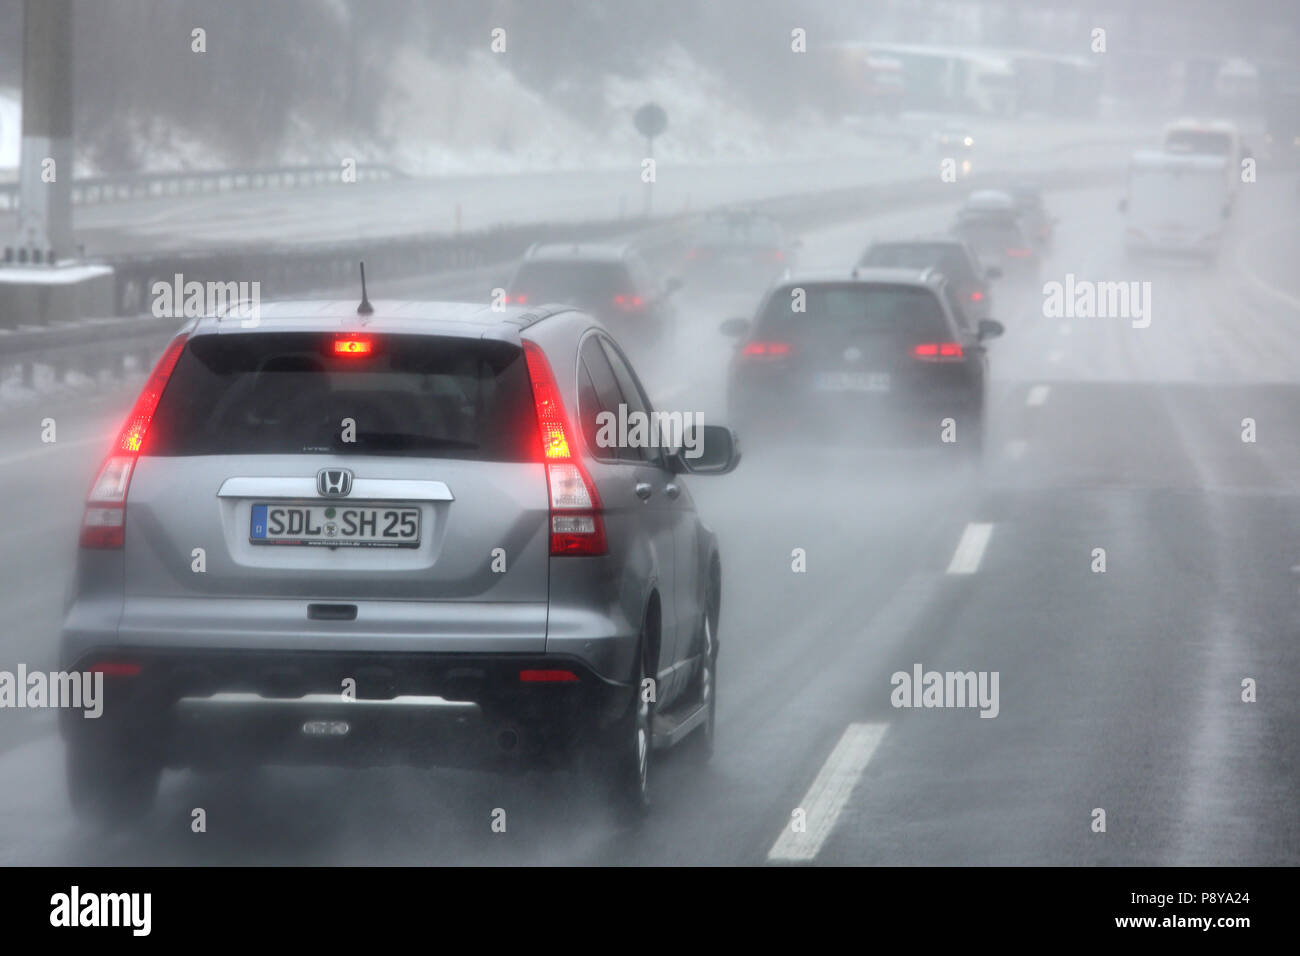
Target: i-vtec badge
334	482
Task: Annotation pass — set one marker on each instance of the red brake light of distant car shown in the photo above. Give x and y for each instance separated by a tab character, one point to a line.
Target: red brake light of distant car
938	351
629	301
103	523
547	677
774	255
1017	252
977	296
766	350
577	526
518	299
353	345
116	668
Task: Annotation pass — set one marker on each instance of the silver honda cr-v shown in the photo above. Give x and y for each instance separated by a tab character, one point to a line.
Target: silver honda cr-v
397	534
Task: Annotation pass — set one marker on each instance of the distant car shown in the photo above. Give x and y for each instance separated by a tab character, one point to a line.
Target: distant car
737	246
968	278
954	137
471	577
990	223
958	144
853	358
1038	222
612	282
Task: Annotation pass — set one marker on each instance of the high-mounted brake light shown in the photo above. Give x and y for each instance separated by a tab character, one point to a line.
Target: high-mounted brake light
577	527
354	345
103	524
938	351
766	349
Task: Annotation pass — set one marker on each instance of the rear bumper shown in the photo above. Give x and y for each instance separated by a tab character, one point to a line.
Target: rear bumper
220	708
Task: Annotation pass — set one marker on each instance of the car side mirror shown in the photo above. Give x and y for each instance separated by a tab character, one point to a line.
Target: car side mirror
706	450
734	328
993	272
990	329
672	285
1123	205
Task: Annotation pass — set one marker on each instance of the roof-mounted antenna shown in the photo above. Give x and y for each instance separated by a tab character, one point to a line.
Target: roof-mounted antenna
365	308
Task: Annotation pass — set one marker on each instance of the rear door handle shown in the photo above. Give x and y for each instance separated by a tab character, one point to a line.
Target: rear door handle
643	490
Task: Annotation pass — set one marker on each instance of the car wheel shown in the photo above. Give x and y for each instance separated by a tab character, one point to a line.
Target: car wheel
107	786
699	745
625	760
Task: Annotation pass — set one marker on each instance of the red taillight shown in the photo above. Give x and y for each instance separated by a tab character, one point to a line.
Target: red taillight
938	351
103	523
519	299
547	677
116	668
766	349
576	523
977	296
353	345
1018	253
628	301
774	255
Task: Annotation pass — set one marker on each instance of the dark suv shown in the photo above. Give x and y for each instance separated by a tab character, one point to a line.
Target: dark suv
392	537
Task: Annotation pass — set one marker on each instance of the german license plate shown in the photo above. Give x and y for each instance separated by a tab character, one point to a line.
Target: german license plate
335	526
852	382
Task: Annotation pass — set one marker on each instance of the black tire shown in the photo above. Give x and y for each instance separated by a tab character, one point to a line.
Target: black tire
700	744
625	756
108	787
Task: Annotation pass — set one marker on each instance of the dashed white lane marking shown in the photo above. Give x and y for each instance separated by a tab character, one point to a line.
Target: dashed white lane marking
1016	449
1055	355
1037	395
970	549
829	792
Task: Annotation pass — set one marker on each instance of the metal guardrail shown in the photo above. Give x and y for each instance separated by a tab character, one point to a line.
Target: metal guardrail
472	265
93	190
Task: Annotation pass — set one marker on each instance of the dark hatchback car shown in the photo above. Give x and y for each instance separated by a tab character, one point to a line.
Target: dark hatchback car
881	355
969	280
612	282
737	246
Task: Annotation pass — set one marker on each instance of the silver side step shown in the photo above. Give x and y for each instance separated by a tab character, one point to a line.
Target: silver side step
668	729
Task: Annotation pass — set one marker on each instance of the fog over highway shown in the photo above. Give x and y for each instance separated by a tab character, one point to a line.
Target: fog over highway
1120	566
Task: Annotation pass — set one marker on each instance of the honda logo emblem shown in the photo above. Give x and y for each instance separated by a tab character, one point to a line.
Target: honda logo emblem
334	482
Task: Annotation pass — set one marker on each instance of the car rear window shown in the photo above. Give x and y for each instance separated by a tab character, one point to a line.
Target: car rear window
987	233
905	311
575	283
288	393
947	258
740	232
1198	141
